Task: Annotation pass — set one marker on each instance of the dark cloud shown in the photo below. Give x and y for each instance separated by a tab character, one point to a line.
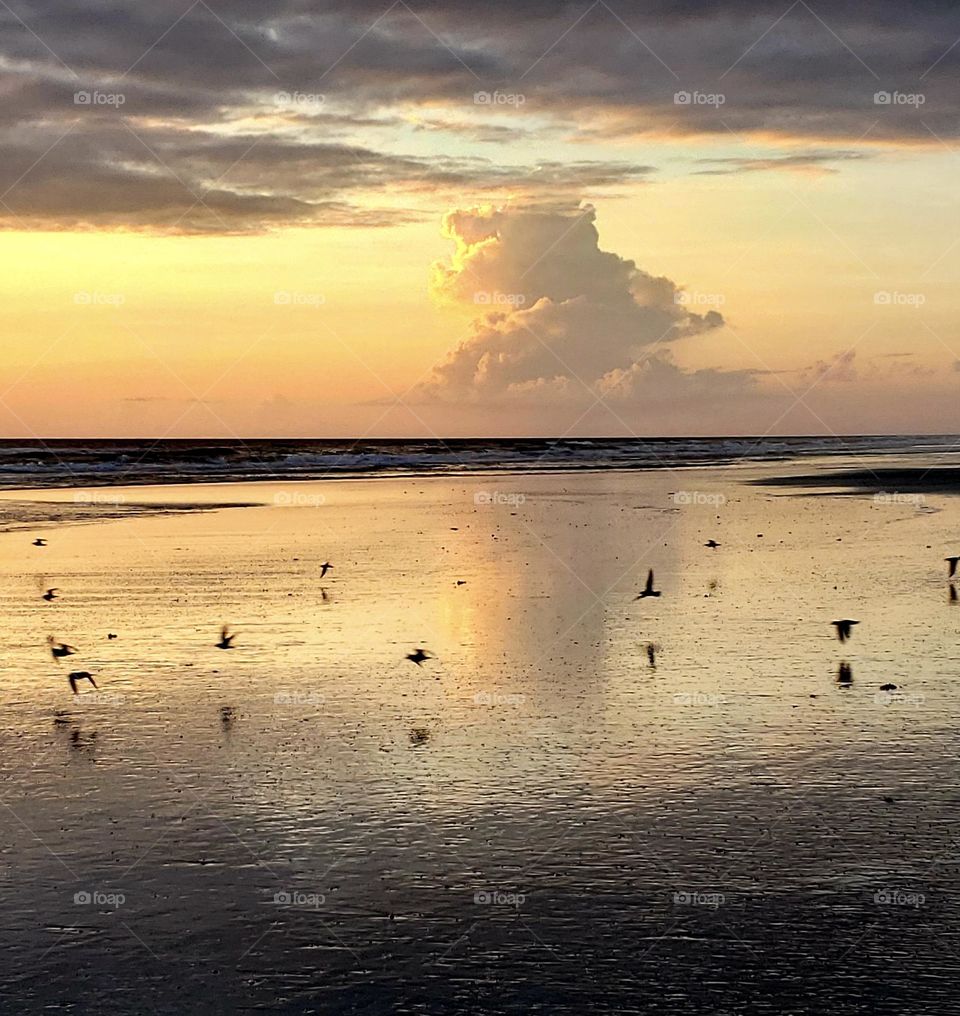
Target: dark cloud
819	161
186	71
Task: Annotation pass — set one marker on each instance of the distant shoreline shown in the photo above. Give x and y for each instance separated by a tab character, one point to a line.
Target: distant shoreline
884	480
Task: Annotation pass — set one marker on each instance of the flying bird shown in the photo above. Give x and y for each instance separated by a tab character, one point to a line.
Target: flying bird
111	636
844	628
324	568
952	561
80	675
226	639
418	657
648	589
50	595
60	649
39	543
712	544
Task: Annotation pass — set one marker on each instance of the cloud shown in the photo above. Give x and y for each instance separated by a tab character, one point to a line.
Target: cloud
813	161
566	321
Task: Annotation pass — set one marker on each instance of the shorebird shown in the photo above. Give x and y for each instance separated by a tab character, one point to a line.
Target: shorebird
712	544
648	589
418	657
952	561
39	543
324	568
51	594
844	628
60	649
80	675
226	639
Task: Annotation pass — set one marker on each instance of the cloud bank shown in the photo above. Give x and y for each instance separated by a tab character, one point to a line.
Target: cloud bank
562	320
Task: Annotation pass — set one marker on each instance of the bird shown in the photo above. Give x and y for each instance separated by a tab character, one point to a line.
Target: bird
888	687
80	675
648	589
418	657
111	636
952	561
226	639
712	544
845	674
39	543
844	628
60	649
324	568
51	594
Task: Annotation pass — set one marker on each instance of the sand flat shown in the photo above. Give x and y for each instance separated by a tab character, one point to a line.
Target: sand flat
294	822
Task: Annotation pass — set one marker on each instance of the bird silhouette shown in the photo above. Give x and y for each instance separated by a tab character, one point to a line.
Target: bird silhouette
844	628
226	639
648	589
324	568
80	675
952	561
111	636
39	543
712	544
50	595
60	649
418	657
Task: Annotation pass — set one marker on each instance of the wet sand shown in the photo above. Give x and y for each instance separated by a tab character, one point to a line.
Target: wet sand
535	821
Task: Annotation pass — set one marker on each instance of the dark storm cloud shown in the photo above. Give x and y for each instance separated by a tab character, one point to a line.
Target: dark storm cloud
805	73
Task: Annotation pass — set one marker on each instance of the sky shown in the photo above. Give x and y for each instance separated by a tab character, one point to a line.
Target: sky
440	218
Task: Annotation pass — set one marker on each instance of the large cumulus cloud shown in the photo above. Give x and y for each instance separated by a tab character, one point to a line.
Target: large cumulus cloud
567	320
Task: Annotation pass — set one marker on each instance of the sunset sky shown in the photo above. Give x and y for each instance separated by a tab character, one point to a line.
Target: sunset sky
297	218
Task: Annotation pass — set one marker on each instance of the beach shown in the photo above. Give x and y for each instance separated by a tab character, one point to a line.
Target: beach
536	819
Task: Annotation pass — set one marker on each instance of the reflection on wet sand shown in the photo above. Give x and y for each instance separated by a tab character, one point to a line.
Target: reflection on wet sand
570	776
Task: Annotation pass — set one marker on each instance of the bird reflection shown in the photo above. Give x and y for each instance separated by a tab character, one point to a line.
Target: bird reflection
652	648
845	675
228	716
953	593
419	735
